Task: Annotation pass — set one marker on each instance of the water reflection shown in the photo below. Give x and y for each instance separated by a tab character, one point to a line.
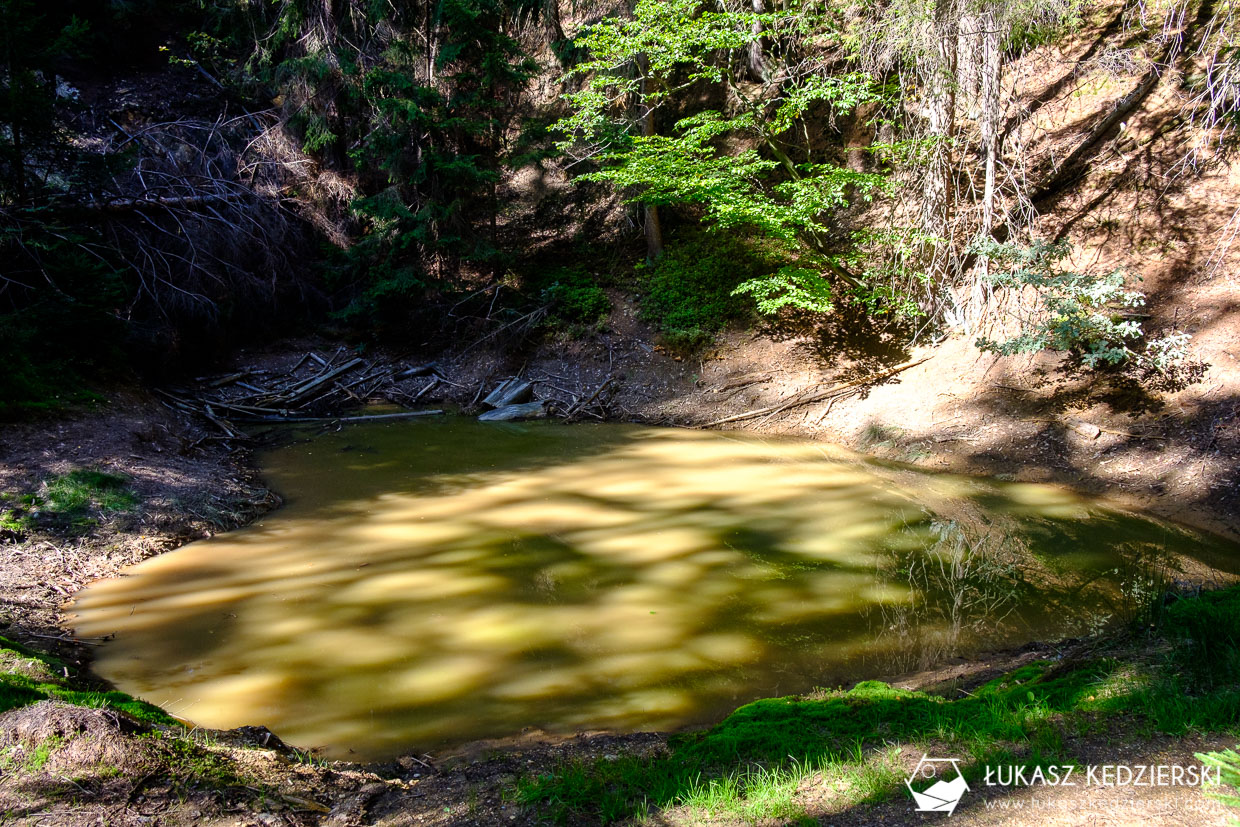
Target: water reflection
431	584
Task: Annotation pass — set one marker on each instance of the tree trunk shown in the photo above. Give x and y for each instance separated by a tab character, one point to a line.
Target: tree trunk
654	229
757	50
969	46
941	118
992	78
15	128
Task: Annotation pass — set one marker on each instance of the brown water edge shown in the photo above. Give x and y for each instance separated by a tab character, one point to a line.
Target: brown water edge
430	584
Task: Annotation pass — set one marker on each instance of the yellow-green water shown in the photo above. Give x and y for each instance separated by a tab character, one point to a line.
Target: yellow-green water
432	583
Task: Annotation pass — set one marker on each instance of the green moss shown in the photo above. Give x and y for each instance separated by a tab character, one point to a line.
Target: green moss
749	764
21	686
191	765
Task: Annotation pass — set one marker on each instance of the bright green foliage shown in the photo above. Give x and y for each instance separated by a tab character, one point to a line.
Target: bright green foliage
1079	312
668	47
794	287
690	294
14	522
888	278
1228	763
687	169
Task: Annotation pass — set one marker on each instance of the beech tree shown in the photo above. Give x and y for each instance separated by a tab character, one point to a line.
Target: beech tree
738	167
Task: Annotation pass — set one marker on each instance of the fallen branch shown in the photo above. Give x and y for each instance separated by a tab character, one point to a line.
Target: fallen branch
184	202
578	408
796	400
420	370
434	382
307	388
1075	427
368	418
229	379
63	639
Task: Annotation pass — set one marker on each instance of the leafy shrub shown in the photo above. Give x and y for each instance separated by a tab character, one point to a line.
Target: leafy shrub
1228	764
1209	629
1081	313
690	293
575	297
795	287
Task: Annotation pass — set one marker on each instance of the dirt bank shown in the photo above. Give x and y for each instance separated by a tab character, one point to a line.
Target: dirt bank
187	485
190	483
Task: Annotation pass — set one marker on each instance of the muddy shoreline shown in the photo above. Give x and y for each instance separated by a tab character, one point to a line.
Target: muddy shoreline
191	484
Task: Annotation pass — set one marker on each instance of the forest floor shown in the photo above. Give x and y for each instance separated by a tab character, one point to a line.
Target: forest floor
1166	447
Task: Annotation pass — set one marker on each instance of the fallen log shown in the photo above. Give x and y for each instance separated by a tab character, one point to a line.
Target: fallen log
167	202
795	402
308	387
364	418
509	392
511	413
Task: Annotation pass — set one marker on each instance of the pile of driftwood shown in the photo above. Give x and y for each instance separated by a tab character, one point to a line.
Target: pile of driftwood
514	399
306	392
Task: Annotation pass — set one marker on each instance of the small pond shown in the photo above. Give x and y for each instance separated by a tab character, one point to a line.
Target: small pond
429	584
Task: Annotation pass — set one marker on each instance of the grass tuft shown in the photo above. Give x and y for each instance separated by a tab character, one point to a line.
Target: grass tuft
20	688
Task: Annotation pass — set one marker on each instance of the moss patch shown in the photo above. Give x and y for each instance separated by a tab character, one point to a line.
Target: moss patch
750	765
27	677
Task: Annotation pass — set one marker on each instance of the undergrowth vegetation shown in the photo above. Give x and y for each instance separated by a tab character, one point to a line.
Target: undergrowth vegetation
27	677
574	297
689	294
751	765
366	165
71	502
1094	317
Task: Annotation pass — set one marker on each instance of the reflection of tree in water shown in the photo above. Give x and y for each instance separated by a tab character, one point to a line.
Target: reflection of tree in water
439	591
973	582
960	586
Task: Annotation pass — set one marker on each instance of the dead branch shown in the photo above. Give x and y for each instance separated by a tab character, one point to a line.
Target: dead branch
801	398
365	418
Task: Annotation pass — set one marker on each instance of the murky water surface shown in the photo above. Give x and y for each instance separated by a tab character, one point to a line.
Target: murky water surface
433	583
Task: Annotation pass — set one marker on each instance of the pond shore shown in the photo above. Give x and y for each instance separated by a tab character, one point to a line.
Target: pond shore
189	484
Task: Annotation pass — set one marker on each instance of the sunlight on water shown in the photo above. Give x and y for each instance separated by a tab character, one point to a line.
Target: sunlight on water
430	584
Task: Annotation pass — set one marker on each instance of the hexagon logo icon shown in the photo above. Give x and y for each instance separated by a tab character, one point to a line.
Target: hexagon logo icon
945	793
